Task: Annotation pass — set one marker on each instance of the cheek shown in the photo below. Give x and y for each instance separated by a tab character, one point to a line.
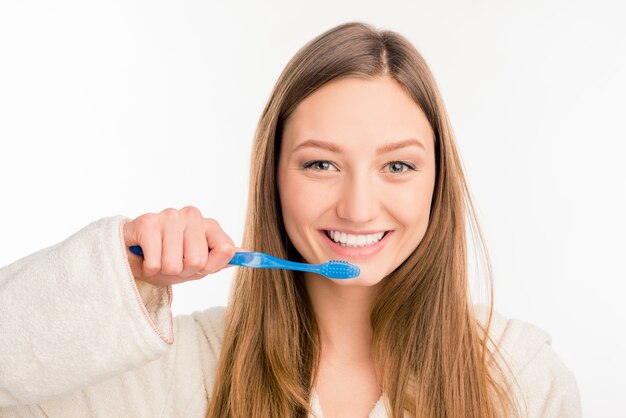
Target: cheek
411	207
301	203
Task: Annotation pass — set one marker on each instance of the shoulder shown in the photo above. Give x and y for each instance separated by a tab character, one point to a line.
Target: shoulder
544	384
521	341
211	320
202	331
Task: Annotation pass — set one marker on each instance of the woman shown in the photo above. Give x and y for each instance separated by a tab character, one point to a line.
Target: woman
353	159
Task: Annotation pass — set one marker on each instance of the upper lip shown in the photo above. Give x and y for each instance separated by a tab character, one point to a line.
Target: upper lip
352	232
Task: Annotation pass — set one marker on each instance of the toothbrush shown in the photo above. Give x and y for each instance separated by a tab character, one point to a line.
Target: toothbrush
334	269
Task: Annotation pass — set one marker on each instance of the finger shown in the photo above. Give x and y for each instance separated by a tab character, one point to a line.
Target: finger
147	233
221	245
219	257
172	256
195	248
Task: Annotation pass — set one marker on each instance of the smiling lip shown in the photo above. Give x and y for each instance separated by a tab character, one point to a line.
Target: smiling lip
352	252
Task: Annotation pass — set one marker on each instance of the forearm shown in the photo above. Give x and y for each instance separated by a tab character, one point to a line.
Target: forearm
72	315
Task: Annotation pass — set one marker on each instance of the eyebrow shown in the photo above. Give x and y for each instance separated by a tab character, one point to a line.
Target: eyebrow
392	146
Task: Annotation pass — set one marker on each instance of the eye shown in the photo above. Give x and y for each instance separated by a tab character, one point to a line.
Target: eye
319	165
323	165
396	166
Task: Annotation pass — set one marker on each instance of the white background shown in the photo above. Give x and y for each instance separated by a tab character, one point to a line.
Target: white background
127	107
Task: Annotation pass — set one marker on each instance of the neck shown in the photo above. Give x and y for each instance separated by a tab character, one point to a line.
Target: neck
342	314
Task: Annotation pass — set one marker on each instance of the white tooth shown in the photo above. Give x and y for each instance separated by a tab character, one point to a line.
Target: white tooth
361	240
355	240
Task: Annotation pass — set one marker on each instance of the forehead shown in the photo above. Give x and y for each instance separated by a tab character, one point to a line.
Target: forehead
358	111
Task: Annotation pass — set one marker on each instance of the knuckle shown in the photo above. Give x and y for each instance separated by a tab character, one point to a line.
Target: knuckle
211	223
170	213
146	221
228	248
150	269
196	262
171	268
191	211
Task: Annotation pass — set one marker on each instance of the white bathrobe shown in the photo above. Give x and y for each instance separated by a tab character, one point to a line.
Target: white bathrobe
79	336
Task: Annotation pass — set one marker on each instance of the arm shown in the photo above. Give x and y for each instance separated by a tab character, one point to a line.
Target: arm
177	384
72	315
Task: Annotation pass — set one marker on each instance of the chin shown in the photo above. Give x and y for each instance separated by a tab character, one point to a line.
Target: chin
363	280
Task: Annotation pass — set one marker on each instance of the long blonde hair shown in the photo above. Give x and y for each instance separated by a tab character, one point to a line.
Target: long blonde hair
429	350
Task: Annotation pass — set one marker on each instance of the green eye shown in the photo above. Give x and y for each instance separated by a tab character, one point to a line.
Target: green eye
319	165
398	165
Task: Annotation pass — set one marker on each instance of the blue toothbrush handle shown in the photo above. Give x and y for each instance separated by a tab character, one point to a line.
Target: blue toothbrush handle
254	259
262	260
136	249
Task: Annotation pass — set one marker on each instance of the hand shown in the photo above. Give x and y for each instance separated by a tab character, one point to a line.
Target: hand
176	244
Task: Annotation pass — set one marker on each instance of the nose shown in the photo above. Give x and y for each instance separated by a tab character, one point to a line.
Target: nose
359	202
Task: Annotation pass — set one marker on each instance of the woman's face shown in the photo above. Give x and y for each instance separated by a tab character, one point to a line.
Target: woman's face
357	160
